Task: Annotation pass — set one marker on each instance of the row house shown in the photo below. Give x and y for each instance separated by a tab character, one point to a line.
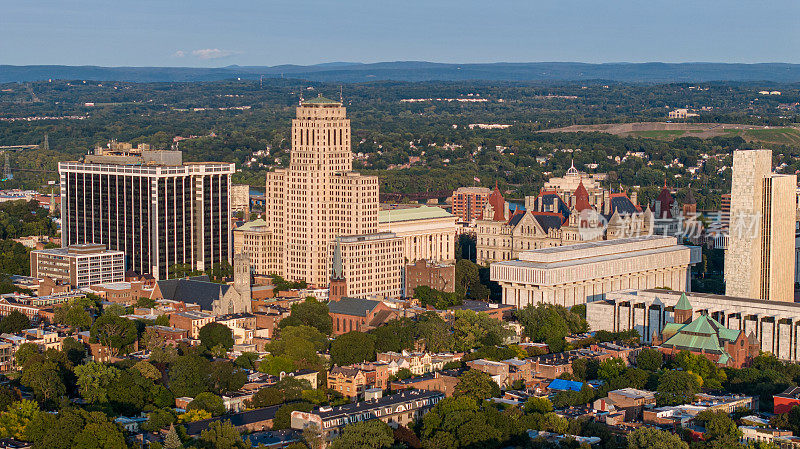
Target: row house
417	362
402	408
353	380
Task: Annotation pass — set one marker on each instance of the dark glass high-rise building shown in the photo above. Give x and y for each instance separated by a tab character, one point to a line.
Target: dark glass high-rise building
148	204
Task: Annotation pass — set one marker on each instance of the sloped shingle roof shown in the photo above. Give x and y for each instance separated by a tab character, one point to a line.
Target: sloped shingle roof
353	306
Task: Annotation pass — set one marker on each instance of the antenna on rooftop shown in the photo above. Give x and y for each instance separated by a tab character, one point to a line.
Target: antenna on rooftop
341	97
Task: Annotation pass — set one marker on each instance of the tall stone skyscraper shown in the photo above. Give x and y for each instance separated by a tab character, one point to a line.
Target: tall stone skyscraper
320	199
759	261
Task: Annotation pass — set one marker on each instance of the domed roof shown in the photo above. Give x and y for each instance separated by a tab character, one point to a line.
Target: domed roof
572	171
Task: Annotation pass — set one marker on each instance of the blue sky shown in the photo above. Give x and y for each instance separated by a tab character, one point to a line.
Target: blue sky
270	32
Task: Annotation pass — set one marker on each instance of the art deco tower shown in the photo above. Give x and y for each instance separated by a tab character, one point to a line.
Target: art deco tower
319	199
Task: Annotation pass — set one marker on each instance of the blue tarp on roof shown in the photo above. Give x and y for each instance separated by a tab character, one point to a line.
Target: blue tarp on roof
563	385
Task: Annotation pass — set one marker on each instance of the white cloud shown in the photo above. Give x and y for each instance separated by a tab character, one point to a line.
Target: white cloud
205	53
213	53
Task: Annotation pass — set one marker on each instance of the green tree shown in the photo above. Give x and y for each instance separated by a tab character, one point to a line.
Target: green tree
585	369
537	405
550	324
172	440
436	298
45	381
25	353
75	428
721	431
94	380
403	373
267	397
248	361
74	349
276	365
459	422
14	322
159	419
129	394
434	332
310	312
147	370
224	377
74	315
213	334
372	434
677	387
114	332
611	368
222	435
188	376
8	396
477	385
471	329
352	347
649	359
283	416
651	438
208	402
290	334
15	420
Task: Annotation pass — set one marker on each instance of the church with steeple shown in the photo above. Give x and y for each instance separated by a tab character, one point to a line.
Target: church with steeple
705	336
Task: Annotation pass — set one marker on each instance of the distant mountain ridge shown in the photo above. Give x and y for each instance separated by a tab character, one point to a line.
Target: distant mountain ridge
348	72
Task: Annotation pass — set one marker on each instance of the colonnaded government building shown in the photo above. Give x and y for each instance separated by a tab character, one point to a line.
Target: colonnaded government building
319	202
583	272
774	324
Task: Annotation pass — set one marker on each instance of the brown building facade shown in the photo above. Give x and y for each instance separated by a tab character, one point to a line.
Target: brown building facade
440	276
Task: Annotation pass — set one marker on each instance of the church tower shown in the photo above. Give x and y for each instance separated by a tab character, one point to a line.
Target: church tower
338	283
241	282
683	310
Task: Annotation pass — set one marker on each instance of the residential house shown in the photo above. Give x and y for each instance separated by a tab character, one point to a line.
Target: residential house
402	408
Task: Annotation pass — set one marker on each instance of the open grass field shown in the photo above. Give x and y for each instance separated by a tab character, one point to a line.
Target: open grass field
670	131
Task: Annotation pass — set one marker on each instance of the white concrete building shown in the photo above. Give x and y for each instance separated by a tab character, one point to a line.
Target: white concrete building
428	232
575	274
774	323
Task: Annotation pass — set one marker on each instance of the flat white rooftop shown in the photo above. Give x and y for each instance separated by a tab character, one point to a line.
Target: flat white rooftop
598	248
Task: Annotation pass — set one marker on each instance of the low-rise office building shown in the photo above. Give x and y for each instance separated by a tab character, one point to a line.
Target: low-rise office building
80	265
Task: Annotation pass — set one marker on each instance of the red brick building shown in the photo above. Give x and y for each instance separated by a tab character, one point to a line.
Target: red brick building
440	276
707	337
442	381
358	314
468	202
783	402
